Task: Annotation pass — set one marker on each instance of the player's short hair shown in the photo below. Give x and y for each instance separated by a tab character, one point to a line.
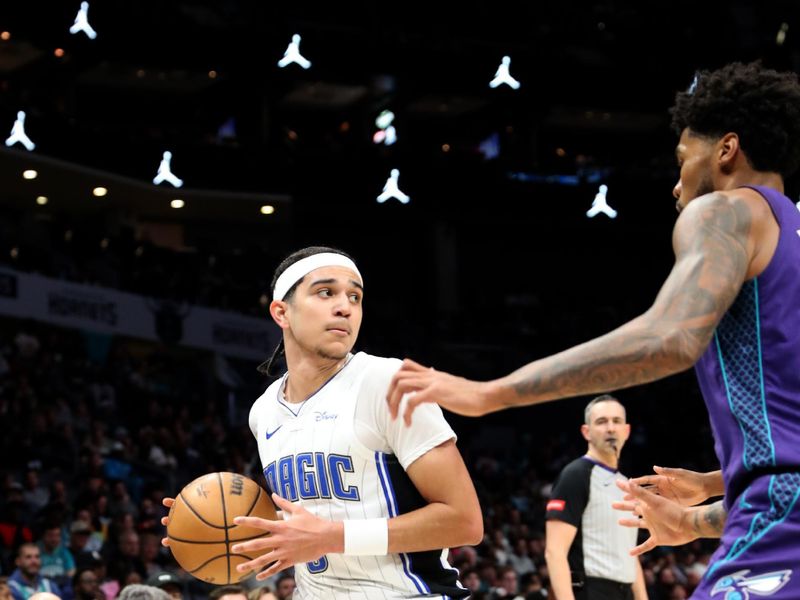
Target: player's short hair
138	591
760	105
587	412
224	590
266	366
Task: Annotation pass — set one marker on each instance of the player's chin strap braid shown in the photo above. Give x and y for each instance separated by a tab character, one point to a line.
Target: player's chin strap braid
366	537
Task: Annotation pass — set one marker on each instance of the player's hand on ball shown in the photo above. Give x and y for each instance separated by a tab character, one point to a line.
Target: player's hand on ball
168	502
302	537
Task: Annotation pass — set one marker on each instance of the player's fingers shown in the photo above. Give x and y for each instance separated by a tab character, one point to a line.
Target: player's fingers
259	523
640	493
284	504
257	545
168	502
647	480
669	472
165	521
274	568
165	542
645	546
402	384
257	563
625	505
411	402
412	365
634	523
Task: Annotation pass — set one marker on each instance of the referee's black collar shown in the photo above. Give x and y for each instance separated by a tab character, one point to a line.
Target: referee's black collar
600	464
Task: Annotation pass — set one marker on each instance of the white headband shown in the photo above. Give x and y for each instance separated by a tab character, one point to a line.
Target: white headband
304	266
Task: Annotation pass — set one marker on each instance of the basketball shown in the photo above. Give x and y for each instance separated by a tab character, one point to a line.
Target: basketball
201	530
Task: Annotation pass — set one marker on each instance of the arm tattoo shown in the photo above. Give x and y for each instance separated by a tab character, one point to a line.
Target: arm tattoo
710	241
713	520
715	517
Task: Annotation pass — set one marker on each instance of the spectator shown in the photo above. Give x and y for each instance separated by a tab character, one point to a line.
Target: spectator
26	580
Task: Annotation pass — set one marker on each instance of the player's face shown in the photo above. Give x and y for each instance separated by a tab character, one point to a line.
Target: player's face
607	430
325	311
694	155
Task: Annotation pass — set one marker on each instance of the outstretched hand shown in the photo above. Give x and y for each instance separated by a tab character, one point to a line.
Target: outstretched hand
681	485
302	537
665	519
414	384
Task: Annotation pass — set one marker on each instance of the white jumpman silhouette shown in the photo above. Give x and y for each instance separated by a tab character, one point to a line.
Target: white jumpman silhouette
18	133
390	189
599	205
292	54
798	205
82	22
503	76
164	172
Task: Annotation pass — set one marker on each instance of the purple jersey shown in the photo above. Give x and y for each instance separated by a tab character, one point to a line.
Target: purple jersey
750	373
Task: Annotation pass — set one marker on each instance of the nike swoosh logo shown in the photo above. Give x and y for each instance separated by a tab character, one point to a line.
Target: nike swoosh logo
269	435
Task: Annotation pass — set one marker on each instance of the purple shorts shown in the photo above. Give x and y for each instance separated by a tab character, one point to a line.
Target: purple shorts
759	553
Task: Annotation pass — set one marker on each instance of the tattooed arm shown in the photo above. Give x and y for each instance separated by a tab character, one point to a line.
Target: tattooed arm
708	521
711	261
713	250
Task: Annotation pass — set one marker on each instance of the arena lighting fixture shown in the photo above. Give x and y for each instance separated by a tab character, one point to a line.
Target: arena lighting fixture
18	134
781	36
392	190
386	133
41	200
600	205
177	203
30	174
82	22
100	191
267	209
292	54
503	76
165	171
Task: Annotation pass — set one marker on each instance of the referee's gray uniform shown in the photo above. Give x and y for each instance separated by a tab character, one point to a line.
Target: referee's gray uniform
599	558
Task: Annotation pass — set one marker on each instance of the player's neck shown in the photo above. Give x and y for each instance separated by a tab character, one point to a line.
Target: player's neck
309	373
609	459
751	177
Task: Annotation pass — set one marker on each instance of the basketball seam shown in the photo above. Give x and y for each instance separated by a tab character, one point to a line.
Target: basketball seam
246	539
253	505
198	515
213	558
225	520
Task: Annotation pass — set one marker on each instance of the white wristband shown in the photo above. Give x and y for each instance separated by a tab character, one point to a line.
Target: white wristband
366	537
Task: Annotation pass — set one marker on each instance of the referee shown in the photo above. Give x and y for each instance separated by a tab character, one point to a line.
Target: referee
587	551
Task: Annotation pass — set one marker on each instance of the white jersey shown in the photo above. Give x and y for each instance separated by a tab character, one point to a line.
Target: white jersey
341	456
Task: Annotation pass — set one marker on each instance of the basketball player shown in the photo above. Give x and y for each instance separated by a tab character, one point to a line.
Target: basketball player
370	506
730	306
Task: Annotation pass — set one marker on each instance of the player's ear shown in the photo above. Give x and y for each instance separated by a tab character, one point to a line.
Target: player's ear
277	310
585	432
728	149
